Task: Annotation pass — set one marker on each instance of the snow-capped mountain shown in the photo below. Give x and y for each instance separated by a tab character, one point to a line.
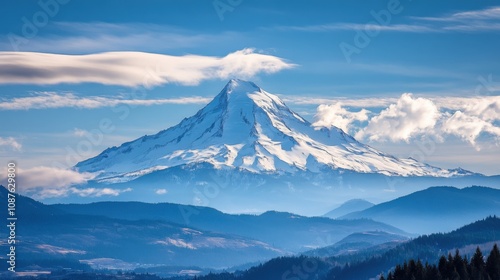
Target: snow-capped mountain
247	128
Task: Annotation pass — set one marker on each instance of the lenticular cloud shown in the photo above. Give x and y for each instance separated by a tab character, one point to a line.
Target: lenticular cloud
133	68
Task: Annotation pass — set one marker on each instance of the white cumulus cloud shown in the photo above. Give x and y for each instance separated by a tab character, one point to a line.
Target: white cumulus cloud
161	191
486	108
468	118
469	128
133	68
336	115
399	122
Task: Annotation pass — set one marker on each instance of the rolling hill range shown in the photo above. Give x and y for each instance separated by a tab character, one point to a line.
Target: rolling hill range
368	264
45	232
109	234
437	209
427	248
131	234
270	227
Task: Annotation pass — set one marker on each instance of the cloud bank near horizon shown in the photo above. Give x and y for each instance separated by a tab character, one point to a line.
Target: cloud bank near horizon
410	117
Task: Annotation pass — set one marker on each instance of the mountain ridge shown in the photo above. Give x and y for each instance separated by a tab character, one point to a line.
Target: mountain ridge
245	127
435	209
350	206
268	227
170	233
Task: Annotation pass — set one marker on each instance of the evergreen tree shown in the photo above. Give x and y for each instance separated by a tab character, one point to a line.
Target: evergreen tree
411	269
460	266
432	273
493	263
419	273
478	266
443	268
451	268
399	272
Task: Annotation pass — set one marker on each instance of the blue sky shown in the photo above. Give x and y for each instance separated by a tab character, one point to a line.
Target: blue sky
405	77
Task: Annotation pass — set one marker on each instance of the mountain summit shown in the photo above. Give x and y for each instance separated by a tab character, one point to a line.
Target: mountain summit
247	128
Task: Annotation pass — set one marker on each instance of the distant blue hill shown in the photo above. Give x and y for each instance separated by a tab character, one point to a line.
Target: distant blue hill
284	230
359	241
353	205
368	264
49	233
436	209
126	235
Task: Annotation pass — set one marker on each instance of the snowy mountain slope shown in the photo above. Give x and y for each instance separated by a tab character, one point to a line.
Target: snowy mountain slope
245	127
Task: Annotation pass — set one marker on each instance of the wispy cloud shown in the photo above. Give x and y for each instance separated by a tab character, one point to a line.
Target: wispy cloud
133	68
80	132
11	143
59	250
484	14
44	182
370	102
92	37
44	176
50	192
468	21
343	26
52	100
94	192
478	26
477	20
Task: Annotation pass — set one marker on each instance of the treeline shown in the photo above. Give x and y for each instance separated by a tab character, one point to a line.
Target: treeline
71	275
426	248
451	268
302	267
